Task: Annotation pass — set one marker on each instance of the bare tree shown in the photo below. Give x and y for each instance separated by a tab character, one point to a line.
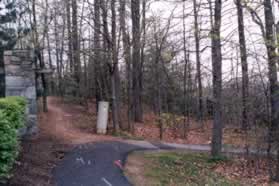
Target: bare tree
69	30
244	65
135	6
57	52
272	76
76	46
142	54
127	56
198	61
216	144
114	71
96	53
38	53
186	111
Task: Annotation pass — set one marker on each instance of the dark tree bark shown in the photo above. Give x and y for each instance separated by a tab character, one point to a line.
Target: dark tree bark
69	30
127	56
142	54
244	65
107	52
186	113
52	85
158	84
39	60
76	47
270	42
216	144
114	71
58	62
135	5
198	61
61	54
83	70
96	53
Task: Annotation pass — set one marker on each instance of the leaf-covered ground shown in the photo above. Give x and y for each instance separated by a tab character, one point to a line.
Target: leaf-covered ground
199	134
180	169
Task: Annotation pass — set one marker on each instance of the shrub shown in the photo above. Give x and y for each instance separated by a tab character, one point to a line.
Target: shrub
14	109
12	112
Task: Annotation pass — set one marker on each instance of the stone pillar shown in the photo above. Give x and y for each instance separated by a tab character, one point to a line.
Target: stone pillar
20	81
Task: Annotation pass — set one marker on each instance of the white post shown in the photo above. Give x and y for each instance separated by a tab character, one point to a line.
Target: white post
102	120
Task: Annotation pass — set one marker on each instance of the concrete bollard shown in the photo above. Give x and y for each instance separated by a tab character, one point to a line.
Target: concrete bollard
102	120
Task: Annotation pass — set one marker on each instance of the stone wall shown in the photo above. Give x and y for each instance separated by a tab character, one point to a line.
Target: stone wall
20	81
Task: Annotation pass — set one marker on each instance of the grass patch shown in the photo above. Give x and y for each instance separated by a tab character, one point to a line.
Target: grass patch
218	159
181	169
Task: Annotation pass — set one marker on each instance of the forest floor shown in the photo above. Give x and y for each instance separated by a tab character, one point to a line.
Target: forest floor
188	168
173	130
200	134
67	125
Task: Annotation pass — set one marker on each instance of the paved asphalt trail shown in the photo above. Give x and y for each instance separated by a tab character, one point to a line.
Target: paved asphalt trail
93	165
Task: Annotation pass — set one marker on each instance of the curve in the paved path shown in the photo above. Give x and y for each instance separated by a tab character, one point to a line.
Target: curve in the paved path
94	165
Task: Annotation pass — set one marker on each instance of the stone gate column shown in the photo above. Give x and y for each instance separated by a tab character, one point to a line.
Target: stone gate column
20	81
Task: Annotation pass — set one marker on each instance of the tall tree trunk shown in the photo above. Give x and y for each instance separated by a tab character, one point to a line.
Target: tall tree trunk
70	39
107	48
135	6
61	55
273	79
39	56
85	75
76	47
127	56
43	79
198	61
51	89
186	120
96	52
114	71
142	55
58	62
217	133
244	65
50	63
83	79
158	87
159	98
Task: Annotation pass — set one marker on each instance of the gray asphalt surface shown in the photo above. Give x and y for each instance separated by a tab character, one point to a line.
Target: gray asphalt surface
93	165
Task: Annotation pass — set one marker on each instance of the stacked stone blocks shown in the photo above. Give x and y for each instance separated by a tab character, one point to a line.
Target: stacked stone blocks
20	81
